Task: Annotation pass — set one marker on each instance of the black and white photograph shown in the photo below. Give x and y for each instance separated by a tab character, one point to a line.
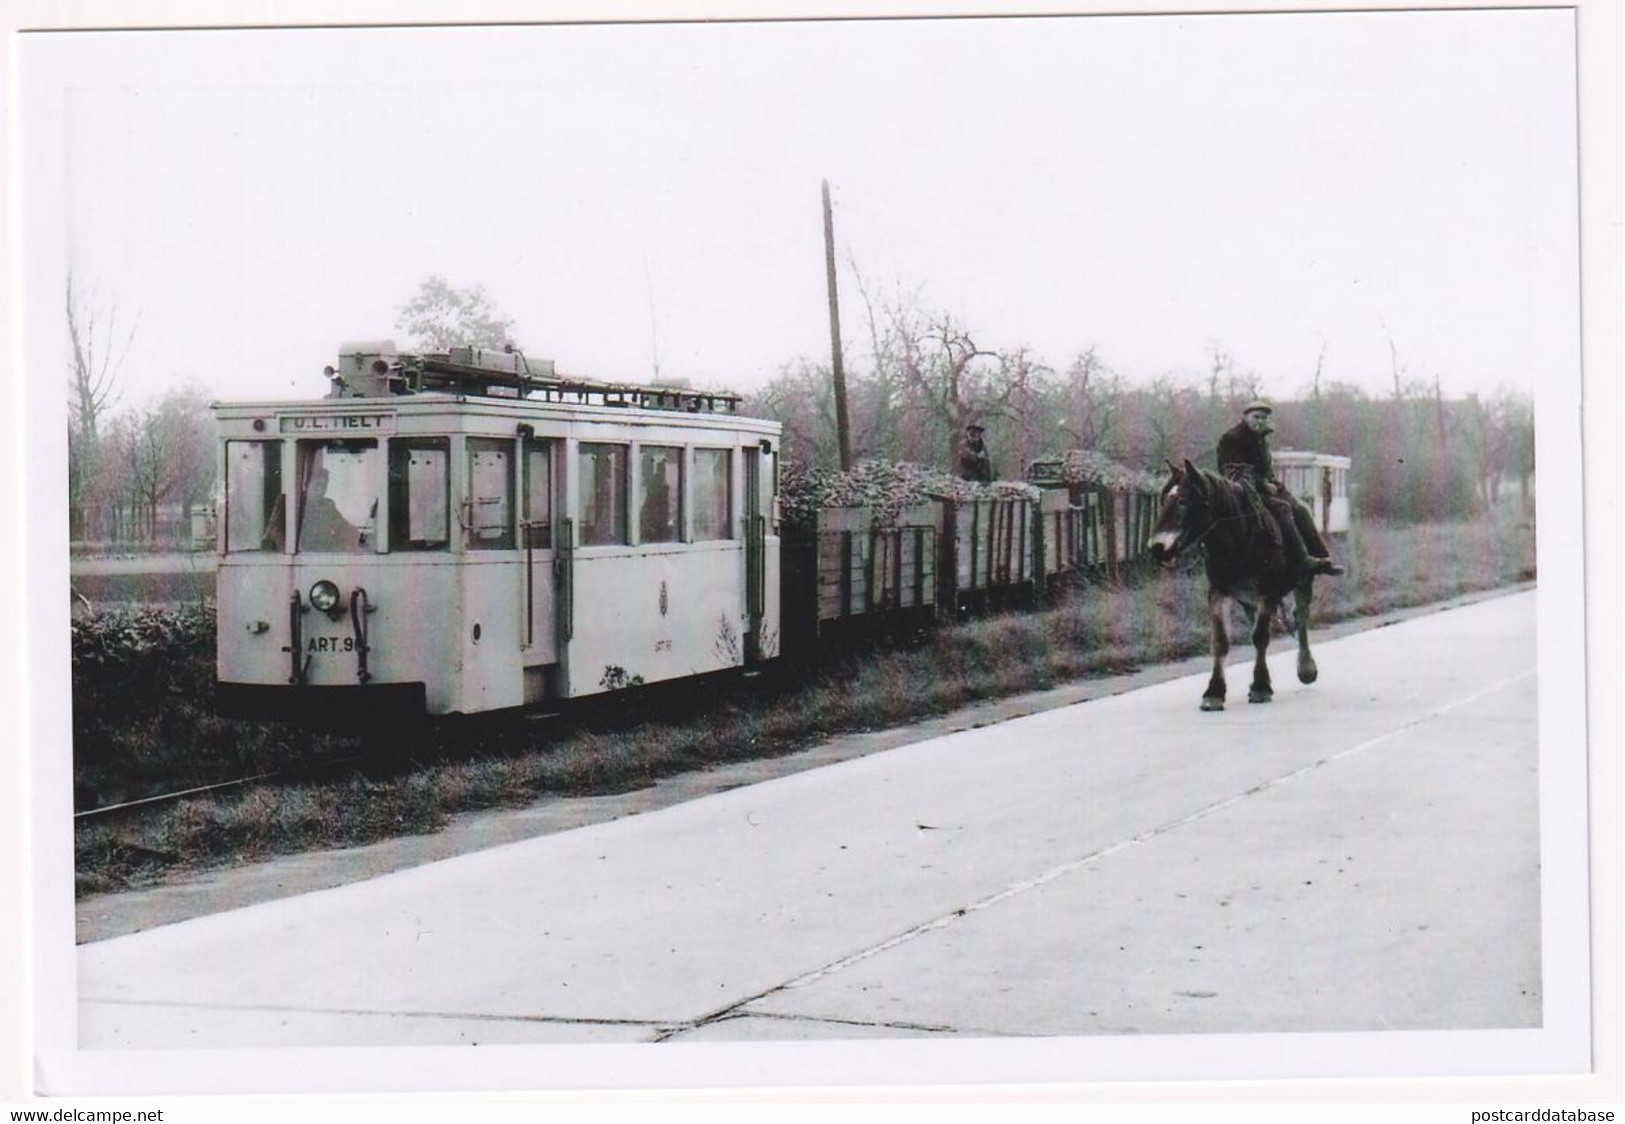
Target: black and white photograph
776	550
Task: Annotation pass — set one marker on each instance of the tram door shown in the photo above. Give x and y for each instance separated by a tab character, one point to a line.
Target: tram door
755	554
539	635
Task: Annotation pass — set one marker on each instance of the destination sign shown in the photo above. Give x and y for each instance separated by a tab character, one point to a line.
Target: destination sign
339	423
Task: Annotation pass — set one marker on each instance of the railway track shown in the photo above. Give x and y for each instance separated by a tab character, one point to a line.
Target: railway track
149	803
662	700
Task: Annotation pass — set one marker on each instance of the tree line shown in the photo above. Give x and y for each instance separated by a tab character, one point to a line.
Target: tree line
1416	455
922	377
127	467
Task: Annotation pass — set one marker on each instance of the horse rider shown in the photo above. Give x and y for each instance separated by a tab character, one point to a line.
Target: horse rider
975	464
1244	451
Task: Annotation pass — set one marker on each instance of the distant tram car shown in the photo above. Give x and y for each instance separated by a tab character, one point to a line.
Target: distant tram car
1321	481
467	532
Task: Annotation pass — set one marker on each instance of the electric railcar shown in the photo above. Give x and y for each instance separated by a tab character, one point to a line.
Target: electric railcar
1321	481
469	532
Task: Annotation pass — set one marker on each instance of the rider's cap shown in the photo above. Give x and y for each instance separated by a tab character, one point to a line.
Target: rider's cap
976	427
1258	404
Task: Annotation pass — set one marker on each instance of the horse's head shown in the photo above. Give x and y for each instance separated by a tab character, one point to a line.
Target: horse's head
1186	515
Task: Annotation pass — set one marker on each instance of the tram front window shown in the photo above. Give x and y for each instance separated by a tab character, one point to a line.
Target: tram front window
338	496
490	494
419	493
253	496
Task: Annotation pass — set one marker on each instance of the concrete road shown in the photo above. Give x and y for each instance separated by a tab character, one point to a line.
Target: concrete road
1361	854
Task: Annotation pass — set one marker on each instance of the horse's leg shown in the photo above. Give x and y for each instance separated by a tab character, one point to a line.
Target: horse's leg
1261	691
1307	671
1217	609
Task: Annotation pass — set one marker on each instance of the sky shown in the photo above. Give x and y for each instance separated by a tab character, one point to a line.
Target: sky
1351	189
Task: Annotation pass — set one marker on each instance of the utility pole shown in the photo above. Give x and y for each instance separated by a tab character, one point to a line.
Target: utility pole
843	433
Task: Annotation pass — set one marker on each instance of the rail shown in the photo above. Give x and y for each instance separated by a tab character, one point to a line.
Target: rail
170	797
162	798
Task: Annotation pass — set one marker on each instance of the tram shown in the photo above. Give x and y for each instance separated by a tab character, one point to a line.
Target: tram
1321	481
470	532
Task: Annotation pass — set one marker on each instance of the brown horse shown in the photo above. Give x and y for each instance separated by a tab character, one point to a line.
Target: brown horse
1245	564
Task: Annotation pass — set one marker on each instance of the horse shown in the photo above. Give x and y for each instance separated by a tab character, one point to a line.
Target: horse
1245	561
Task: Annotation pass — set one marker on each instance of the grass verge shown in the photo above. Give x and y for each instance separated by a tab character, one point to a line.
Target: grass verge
126	745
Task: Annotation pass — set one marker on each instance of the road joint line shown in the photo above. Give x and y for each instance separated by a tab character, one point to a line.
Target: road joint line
733	1014
363	1012
1027	885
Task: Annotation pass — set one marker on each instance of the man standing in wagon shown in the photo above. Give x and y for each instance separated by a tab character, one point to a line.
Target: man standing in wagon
975	463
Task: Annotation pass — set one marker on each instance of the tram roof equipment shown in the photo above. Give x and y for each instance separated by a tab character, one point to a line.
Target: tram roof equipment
374	369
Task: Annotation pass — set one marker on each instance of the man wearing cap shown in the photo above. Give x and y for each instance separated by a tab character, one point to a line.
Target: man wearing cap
1244	450
974	462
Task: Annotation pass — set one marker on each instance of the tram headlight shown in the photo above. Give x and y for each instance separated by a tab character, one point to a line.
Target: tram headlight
324	595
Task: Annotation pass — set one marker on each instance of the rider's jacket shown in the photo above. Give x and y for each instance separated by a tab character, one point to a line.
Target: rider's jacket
1241	446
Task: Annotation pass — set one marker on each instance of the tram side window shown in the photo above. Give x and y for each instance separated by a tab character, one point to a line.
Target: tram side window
338	498
254	504
419	494
660	474
538	509
773	505
490	494
603	493
713	494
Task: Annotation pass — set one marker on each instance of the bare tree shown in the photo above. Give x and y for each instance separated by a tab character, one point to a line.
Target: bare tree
1520	440
95	363
98	351
442	316
878	419
117	488
80	485
1220	364
1093	396
1395	366
802	399
1167	420
178	453
1485	440
1500	437
146	475
938	362
1020	386
1244	387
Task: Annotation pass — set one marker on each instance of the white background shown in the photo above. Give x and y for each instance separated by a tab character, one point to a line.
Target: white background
257	323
